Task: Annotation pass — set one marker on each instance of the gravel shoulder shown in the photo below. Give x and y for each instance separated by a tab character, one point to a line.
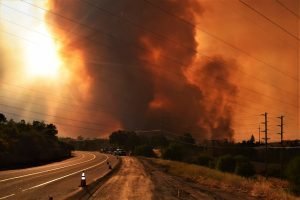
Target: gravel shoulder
130	182
141	178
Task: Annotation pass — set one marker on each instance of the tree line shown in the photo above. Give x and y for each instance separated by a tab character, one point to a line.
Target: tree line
224	156
29	143
86	144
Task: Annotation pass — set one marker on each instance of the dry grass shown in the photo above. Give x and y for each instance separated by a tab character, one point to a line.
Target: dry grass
259	187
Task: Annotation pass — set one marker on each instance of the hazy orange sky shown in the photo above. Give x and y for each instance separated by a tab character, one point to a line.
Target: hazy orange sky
199	65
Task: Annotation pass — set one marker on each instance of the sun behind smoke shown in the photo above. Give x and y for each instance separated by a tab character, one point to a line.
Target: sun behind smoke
42	59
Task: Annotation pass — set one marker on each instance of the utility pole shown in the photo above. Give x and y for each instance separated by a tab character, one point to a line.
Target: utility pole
281	129
266	142
281	143
259	134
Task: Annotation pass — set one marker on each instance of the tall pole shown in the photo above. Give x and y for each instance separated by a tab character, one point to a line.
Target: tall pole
259	134
266	142
281	129
281	143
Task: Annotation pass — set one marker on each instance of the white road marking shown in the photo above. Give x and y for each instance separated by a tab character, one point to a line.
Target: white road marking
42	184
39	167
17	177
7	196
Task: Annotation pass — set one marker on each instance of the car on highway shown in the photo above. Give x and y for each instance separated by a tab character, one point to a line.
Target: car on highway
120	152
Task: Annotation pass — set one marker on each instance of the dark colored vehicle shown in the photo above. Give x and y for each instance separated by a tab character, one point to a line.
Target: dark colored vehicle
120	152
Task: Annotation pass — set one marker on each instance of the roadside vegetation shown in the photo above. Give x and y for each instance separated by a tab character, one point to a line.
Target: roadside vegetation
29	143
258	187
293	174
86	144
229	160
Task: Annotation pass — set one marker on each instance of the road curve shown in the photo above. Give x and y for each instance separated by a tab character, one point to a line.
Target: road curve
53	180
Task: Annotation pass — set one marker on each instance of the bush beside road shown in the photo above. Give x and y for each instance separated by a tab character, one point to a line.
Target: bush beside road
29	143
220	183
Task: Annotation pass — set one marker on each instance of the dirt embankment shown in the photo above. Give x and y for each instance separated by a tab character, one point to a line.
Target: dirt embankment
152	180
170	187
130	182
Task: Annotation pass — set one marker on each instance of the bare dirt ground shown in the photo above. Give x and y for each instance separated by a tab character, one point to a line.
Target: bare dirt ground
168	187
130	182
140	179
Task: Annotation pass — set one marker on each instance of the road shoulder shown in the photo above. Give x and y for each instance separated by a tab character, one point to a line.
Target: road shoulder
130	182
168	187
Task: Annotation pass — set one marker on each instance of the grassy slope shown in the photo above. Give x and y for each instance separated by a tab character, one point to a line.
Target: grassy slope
258	187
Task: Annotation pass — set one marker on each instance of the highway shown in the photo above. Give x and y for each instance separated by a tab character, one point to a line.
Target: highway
55	180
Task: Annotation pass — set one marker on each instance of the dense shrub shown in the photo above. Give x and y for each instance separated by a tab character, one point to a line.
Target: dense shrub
212	164
293	173
204	160
241	158
29	143
125	139
243	166
245	169
173	152
226	163
273	170
144	150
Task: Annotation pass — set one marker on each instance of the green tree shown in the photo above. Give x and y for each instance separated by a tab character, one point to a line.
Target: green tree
226	163
243	166
30	144
159	141
144	150
126	139
51	130
293	173
2	118
252	139
174	152
204	160
187	138
39	126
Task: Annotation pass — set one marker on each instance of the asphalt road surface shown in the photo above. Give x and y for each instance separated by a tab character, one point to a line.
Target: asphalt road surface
55	180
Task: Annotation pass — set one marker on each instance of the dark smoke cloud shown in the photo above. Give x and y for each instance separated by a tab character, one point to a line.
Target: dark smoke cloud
214	77
138	76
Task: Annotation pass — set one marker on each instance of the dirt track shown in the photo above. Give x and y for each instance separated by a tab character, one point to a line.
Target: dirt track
170	187
130	182
140	179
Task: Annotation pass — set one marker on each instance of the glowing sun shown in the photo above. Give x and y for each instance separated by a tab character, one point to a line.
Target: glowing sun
41	58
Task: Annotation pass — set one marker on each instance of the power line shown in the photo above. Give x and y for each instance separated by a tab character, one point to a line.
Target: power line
266	142
281	128
156	34
44	105
287	8
220	39
45	114
262	28
259	131
54	13
174	42
232	101
268	19
281	142
61	124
